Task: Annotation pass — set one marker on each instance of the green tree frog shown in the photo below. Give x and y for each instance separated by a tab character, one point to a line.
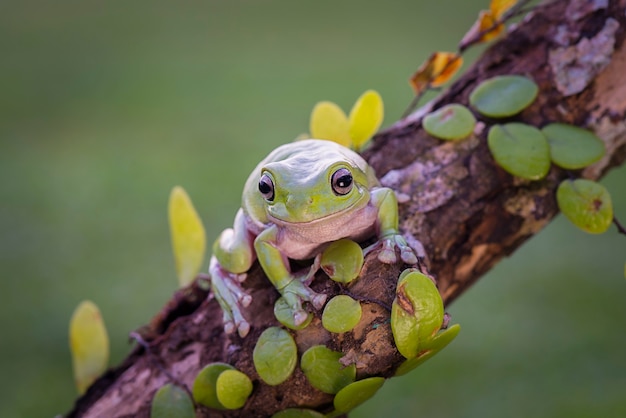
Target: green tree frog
300	198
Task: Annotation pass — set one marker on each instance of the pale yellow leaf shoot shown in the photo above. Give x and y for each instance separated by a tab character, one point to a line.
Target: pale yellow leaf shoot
329	122
188	236
365	118
89	344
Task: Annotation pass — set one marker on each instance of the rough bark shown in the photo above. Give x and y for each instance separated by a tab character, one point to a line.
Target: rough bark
466	211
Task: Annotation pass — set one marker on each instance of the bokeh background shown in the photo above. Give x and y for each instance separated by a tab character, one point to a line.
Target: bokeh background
105	106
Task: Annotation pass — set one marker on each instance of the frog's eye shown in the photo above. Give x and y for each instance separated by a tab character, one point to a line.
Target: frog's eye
266	187
341	181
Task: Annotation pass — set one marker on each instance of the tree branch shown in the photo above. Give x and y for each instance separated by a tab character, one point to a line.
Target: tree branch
466	211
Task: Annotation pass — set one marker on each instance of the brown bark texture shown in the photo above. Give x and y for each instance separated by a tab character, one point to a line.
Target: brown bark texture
467	212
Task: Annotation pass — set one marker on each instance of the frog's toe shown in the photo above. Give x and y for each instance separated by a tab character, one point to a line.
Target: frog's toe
299	317
408	256
387	256
229	327
233	321
245	300
318	300
229	324
243	328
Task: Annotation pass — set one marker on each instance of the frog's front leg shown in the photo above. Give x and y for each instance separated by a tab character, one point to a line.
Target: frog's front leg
385	200
294	288
232	258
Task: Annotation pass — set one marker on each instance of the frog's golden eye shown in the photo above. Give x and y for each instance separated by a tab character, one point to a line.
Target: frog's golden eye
341	181
266	187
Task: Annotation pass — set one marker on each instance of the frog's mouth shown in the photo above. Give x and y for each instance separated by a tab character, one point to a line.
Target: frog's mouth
280	215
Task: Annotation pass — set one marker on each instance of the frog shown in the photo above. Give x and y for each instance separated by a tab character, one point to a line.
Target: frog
298	200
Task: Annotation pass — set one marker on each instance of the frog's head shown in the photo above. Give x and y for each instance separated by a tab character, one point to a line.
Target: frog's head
306	189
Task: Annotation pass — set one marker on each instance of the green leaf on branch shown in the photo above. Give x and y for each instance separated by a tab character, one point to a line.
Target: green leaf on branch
520	149
233	389
503	96
586	204
356	393
572	147
171	401
275	356
452	122
341	314
324	371
204	386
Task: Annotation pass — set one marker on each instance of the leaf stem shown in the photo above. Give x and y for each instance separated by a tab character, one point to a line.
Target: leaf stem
620	228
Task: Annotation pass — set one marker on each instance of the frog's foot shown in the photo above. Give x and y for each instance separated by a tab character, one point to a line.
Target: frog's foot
390	244
295	293
231	297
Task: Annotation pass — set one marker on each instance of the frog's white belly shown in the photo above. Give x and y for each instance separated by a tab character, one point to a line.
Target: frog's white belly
301	241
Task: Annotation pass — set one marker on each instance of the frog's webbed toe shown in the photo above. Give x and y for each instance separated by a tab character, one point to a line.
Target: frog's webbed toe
297	292
231	297
390	243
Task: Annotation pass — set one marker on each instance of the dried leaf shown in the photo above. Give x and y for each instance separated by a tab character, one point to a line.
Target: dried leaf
89	344
188	236
484	29
366	117
499	7
329	122
437	70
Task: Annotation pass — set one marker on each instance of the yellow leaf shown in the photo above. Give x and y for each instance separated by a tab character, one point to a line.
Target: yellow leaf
435	71
188	236
329	122
89	344
366	117
499	7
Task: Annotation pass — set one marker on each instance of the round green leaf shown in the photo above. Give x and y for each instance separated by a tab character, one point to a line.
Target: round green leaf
275	356
298	413
356	393
503	96
284	315
323	370
341	314
171	401
203	389
451	122
233	389
342	260
572	147
520	149
586	204
416	312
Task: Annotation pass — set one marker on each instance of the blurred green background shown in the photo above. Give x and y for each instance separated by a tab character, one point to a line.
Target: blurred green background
105	106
